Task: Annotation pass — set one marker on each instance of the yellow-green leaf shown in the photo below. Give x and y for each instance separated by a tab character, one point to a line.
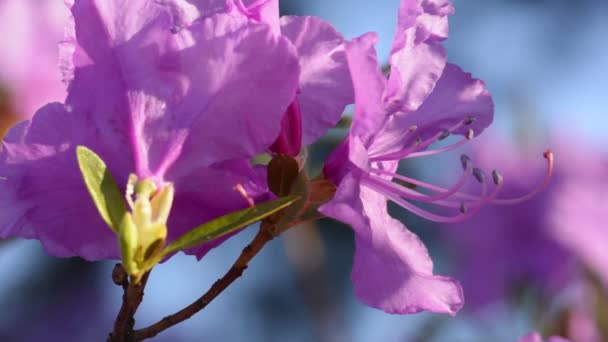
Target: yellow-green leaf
102	187
127	239
227	224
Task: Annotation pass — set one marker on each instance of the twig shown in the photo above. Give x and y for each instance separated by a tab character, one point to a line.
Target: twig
237	269
131	299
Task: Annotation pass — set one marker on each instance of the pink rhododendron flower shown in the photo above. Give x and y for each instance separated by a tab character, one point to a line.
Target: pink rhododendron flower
154	98
29	72
424	100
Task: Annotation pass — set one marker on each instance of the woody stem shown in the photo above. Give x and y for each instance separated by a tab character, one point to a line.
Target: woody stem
240	265
131	299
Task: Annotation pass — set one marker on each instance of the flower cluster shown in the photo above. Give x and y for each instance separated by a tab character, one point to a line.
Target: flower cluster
179	97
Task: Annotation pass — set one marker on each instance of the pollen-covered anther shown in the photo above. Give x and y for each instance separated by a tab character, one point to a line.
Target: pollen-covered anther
470	134
413	128
497	177
444	134
470	120
479	175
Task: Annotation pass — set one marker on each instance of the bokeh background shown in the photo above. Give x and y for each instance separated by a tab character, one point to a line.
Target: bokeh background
523	268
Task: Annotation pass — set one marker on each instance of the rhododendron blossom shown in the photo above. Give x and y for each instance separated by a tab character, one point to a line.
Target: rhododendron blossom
162	103
424	100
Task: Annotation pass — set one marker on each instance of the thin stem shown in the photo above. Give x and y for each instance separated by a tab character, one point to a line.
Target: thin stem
240	265
131	299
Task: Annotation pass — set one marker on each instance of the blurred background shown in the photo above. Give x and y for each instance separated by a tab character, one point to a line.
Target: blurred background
539	266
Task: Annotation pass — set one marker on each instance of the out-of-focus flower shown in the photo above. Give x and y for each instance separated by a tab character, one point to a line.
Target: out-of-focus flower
424	100
578	216
156	99
582	325
535	337
29	71
507	248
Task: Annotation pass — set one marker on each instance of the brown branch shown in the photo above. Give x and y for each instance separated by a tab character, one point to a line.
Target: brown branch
237	269
131	299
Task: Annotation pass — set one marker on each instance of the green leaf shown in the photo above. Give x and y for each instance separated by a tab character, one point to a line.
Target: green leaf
128	244
227	224
103	189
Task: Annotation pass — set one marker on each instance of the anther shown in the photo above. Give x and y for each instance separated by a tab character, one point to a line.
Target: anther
470	134
444	134
418	141
463	208
469	120
413	128
497	177
479	175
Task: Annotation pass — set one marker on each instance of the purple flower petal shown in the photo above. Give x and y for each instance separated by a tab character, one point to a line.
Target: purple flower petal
266	11
210	192
325	81
42	193
456	97
392	270
417	56
144	67
369	84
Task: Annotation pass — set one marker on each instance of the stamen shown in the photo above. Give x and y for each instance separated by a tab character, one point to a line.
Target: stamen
479	175
470	120
419	144
439	218
410	194
444	135
438	150
549	156
497	178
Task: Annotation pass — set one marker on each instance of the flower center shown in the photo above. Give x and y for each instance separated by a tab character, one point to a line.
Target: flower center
144	230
